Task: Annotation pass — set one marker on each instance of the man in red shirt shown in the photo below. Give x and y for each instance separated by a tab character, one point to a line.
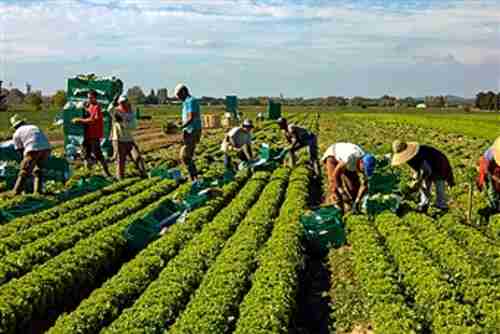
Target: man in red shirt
94	132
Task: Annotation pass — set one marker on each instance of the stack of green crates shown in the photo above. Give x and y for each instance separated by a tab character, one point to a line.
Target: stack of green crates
78	87
273	110
323	229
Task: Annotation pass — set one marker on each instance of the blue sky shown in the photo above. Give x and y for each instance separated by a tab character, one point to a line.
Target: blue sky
257	47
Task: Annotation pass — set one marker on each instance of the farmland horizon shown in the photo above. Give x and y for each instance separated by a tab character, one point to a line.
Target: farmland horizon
298	48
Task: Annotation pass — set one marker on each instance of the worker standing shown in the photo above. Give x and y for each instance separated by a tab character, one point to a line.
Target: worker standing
35	148
124	144
191	128
430	166
348	168
240	139
94	132
489	175
299	138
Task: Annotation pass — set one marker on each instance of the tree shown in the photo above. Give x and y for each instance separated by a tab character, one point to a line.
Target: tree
59	99
162	95
15	97
34	100
152	98
136	95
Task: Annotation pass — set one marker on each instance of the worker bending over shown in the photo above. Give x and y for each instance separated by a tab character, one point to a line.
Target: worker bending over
239	139
35	148
191	128
489	175
94	132
430	166
348	168
299	138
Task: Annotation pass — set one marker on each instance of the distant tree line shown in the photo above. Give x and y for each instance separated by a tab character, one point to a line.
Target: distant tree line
35	100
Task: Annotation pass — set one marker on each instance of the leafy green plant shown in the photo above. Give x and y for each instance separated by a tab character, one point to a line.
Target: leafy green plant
18	263
164	298
270	303
106	303
434	296
60	278
379	279
212	308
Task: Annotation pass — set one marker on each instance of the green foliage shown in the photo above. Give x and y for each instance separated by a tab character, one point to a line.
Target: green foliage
213	307
59	99
379	280
106	303
269	305
37	229
434	296
162	301
18	263
349	305
136	95
34	101
25	222
60	279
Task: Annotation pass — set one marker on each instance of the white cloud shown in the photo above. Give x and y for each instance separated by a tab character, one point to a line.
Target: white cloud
278	36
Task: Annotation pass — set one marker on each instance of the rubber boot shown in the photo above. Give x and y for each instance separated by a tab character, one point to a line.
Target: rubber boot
19	185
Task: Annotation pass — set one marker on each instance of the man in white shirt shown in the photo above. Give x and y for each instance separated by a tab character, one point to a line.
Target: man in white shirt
239	139
348	168
35	147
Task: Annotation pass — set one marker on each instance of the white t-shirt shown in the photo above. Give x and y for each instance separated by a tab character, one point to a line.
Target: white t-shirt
30	138
347	153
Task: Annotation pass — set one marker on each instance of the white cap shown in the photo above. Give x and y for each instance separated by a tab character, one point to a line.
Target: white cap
178	88
122	98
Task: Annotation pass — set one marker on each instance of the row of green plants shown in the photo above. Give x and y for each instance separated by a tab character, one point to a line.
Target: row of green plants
378	276
478	284
18	263
163	300
435	298
59	281
213	307
16	241
348	302
269	305
106	303
28	221
472	240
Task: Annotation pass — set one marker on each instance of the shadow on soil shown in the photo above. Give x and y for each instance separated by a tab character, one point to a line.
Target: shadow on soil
313	309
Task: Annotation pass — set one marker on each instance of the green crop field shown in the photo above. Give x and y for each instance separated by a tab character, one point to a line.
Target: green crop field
240	263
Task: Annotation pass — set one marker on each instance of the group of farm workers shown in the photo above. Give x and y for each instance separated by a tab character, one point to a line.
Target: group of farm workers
348	167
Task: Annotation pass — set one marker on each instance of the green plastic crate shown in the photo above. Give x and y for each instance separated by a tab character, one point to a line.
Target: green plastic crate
323	228
273	110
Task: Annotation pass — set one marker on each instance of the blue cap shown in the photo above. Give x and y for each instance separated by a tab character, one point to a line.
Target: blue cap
369	163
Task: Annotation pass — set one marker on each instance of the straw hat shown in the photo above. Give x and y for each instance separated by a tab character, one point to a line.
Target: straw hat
403	152
16	120
496	151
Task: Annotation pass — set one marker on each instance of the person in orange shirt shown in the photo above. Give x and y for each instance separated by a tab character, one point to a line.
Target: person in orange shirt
94	132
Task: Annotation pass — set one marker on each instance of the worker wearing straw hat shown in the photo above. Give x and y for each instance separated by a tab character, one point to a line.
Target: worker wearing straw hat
299	138
489	175
430	166
239	139
348	168
191	128
34	145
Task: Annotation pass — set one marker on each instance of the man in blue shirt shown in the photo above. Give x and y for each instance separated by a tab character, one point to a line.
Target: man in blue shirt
191	128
